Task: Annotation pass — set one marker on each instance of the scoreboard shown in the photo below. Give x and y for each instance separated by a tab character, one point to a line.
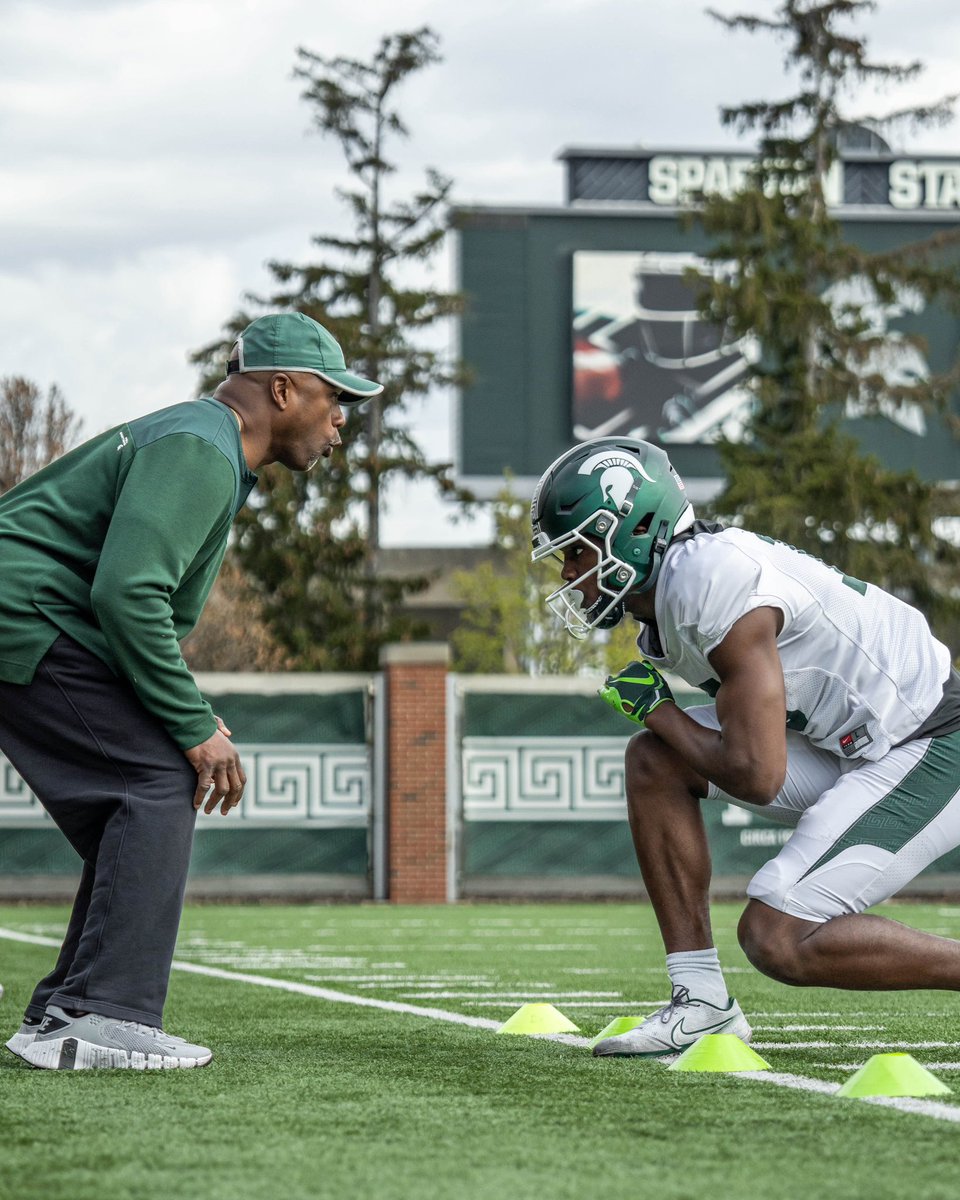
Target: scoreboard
580	320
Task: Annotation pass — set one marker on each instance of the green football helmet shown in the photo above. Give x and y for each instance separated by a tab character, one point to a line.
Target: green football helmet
624	494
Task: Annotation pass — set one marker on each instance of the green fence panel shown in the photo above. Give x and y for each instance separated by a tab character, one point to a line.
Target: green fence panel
305	810
42	851
280	852
549	849
301	717
519	714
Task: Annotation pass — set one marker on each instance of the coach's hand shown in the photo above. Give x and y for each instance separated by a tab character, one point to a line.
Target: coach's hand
636	691
220	775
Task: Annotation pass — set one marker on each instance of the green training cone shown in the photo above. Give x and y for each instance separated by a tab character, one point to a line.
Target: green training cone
537	1018
617	1026
893	1075
719	1052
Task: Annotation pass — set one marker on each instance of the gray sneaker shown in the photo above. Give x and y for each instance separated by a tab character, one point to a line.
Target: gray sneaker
65	1043
675	1027
28	1030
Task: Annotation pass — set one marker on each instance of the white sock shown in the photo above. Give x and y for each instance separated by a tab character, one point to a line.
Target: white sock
699	972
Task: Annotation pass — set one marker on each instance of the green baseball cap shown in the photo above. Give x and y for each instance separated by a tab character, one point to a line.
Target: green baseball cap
295	342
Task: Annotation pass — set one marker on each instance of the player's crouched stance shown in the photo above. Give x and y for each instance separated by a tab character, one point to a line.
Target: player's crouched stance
836	712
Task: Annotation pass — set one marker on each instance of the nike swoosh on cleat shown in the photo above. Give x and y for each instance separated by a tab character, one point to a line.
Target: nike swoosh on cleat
693	1033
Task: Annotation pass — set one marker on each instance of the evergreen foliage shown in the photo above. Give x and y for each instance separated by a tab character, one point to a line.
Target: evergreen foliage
786	276
311	541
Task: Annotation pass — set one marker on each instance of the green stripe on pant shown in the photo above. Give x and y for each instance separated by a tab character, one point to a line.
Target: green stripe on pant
924	792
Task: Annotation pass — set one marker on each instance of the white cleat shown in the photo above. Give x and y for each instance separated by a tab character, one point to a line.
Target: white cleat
24	1035
676	1026
22	1038
95	1042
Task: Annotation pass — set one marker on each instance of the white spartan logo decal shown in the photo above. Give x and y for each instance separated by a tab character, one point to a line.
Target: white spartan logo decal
618	469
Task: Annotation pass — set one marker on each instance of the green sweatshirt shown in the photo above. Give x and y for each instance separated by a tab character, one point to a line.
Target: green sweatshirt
117	545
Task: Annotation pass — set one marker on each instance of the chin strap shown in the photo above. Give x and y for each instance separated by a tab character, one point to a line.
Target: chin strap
613	617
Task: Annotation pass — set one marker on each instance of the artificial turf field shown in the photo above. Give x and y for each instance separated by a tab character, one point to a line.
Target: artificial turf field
310	1096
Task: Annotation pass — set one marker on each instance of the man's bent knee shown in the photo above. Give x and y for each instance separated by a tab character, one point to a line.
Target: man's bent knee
773	942
653	768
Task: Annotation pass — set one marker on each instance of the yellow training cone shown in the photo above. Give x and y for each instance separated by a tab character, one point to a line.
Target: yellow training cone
618	1026
719	1052
893	1075
537	1018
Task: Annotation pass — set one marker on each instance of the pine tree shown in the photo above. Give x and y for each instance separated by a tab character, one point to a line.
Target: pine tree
787	276
312	541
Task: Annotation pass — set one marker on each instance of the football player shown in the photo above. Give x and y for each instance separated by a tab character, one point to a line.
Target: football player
835	711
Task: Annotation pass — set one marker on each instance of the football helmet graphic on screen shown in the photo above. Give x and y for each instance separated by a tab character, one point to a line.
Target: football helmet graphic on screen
657	369
621	498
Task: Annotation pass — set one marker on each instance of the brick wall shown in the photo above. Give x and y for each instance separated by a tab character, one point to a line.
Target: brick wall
416	797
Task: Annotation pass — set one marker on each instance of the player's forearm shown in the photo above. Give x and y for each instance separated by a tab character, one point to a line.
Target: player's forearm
737	766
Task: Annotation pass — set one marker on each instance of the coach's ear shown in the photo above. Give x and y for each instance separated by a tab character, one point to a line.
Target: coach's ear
279	388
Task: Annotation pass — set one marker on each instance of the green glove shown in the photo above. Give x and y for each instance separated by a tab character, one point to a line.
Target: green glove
636	691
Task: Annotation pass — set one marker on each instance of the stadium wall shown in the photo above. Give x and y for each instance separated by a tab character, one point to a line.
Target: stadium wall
415	785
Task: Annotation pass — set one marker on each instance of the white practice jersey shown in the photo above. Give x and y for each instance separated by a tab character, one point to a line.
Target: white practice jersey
862	669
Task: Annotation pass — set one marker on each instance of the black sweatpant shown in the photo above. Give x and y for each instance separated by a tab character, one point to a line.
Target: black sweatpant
121	790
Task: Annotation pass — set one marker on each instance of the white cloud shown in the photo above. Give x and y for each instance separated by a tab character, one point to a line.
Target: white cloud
89	330
156	153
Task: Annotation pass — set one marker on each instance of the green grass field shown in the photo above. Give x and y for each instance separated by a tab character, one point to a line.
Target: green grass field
313	1097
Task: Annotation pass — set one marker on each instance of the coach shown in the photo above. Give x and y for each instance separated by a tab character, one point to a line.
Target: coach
107	557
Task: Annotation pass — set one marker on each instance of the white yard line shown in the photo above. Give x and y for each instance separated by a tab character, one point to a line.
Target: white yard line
857	1045
817	1028
926	1108
934	1066
309	989
32	939
525	994
923	1108
406	980
301	989
621	1006
797	1015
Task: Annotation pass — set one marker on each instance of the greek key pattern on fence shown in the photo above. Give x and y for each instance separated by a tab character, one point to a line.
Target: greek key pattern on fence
17	803
286	785
544	779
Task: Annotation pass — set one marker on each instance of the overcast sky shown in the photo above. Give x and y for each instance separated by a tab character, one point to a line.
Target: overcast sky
155	153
